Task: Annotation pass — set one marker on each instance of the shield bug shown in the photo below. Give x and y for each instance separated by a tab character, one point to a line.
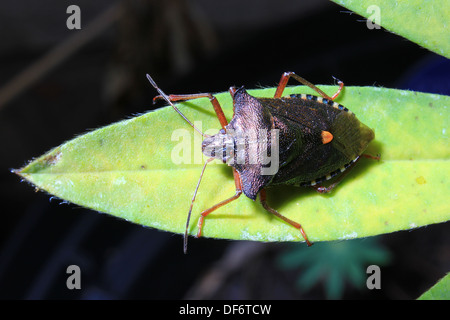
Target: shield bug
299	139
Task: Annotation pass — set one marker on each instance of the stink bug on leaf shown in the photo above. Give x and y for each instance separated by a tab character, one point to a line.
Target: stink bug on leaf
299	140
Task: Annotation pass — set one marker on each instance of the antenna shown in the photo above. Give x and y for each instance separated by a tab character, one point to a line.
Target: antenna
185	239
167	98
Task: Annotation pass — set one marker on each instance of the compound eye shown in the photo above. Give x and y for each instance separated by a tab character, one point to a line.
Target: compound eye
222	131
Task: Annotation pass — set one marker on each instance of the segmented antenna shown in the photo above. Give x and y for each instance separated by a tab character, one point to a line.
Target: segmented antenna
167	98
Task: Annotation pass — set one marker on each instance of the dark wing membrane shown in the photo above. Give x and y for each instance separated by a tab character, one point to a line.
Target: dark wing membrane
310	114
303	156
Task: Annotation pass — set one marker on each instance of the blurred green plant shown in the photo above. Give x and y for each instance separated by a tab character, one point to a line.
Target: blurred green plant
334	264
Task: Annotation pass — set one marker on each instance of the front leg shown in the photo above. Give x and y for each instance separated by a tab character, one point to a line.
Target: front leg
183	97
173	98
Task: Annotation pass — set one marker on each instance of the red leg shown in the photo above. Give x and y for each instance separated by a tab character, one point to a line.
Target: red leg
287	75
262	198
204	214
341	86
369	156
172	98
192	205
201	221
183	97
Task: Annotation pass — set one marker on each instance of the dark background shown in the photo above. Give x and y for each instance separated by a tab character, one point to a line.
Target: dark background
188	46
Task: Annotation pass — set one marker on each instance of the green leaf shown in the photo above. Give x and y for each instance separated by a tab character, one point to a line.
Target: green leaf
423	22
440	291
127	169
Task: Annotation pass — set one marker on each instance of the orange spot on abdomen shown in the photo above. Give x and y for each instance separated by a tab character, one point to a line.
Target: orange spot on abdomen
326	137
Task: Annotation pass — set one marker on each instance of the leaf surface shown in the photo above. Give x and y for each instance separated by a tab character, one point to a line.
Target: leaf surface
131	169
423	22
440	291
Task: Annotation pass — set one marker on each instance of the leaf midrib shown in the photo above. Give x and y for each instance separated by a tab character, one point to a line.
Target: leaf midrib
196	168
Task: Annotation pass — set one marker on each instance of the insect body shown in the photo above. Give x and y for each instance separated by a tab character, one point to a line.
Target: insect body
299	140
